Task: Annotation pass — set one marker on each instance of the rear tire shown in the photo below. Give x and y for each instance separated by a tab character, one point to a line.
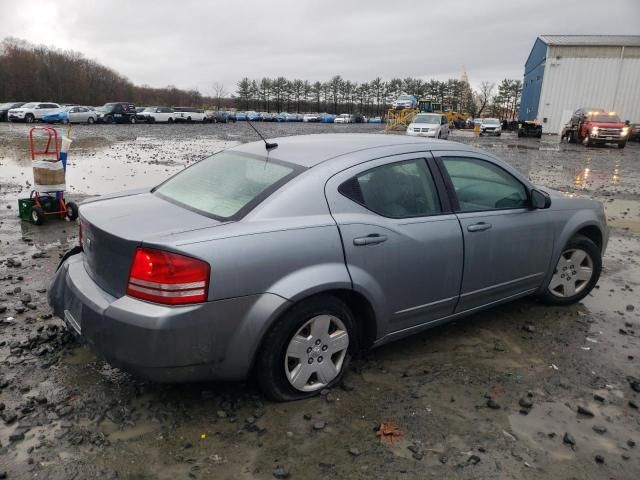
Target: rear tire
275	364
72	211
576	273
37	215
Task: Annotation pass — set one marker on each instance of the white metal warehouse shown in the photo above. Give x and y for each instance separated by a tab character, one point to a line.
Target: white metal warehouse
567	72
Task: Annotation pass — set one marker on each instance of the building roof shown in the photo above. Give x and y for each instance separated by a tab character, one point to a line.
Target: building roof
592	40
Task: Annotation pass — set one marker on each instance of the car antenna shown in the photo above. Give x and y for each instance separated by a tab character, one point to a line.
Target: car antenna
268	146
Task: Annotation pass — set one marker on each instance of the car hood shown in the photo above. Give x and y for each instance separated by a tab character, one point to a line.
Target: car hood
606	124
569	201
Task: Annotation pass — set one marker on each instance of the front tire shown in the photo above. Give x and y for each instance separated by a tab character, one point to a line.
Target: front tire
307	350
576	273
29	118
91	120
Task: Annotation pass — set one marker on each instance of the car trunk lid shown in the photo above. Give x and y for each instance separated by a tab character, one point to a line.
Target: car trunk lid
111	231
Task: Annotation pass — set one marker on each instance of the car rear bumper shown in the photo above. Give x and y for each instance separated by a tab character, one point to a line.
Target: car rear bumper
209	341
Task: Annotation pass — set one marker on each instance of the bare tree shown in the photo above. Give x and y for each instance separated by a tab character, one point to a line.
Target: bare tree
219	94
484	95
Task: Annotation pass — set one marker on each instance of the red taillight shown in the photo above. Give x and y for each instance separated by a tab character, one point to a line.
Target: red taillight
169	278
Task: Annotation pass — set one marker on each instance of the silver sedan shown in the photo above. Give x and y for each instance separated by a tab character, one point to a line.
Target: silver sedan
285	261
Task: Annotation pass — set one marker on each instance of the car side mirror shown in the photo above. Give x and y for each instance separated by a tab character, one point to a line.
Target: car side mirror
539	199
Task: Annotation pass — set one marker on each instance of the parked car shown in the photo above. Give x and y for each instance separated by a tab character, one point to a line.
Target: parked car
253	116
5	107
157	115
490	126
72	114
32	111
268	117
327	118
432	125
189	115
635	132
594	126
311	118
375	120
292	261
529	129
241	116
117	112
344	118
280	117
405	101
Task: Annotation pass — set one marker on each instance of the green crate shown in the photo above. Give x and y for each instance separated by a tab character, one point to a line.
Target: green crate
49	204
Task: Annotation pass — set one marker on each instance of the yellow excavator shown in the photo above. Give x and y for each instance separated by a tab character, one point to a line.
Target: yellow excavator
399	119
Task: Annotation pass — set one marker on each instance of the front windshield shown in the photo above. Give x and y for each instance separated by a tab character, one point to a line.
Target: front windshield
224	184
491	121
605	118
430	119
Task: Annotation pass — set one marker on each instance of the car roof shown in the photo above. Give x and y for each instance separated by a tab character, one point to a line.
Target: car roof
310	150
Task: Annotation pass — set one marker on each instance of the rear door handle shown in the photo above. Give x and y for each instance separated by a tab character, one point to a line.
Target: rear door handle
479	227
370	239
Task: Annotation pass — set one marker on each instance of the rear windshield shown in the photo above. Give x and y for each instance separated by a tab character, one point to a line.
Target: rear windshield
226	185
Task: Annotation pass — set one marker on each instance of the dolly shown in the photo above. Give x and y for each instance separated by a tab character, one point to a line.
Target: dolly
42	204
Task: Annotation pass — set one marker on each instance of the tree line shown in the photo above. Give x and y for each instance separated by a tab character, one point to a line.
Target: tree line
373	98
39	73
344	96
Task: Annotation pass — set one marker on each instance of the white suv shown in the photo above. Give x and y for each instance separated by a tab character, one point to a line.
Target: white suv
490	126
344	118
157	115
30	112
432	125
188	114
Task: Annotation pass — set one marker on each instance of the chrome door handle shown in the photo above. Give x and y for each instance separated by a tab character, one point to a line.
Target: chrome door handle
479	227
370	239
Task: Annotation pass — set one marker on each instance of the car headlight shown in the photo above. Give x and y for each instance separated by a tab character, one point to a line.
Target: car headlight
625	131
594	130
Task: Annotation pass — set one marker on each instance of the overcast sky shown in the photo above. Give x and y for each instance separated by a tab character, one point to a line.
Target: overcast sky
192	44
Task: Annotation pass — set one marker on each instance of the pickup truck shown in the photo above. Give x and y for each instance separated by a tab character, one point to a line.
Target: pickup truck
189	115
594	126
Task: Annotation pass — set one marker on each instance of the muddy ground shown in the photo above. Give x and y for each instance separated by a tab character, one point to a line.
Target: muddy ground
456	393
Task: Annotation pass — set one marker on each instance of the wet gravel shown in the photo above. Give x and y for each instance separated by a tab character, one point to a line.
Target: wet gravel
521	391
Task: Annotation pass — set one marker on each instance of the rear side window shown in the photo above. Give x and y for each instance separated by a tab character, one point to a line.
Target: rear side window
397	190
226	185
481	185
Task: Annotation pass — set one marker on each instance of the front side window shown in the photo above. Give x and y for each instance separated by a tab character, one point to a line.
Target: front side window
226	183
397	190
481	185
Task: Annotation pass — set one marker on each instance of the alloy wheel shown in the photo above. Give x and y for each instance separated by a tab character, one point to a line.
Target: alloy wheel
316	353
572	274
